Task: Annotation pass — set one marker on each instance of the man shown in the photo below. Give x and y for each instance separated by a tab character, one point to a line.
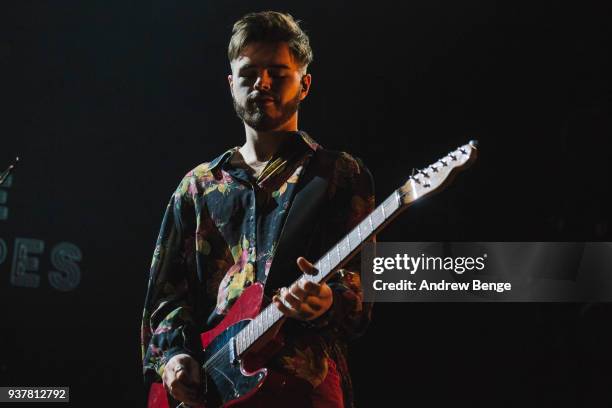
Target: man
223	226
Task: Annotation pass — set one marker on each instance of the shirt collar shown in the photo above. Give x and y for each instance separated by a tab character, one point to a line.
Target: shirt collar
225	156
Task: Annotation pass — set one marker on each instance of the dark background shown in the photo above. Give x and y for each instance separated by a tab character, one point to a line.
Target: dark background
109	103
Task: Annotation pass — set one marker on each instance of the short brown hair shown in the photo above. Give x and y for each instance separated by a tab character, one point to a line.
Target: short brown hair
270	27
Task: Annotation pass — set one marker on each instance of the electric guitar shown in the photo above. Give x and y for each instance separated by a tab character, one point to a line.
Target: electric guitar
236	350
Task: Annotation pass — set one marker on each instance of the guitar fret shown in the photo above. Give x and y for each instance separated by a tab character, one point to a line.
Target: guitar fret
377	214
266	318
342	249
247	343
331	258
270	316
353	240
261	325
380	216
255	329
393	202
316	278
238	344
388	206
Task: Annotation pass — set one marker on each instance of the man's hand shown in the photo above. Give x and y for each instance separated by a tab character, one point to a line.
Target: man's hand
304	300
182	379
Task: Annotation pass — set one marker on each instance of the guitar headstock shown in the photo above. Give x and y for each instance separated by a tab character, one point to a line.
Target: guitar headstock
436	175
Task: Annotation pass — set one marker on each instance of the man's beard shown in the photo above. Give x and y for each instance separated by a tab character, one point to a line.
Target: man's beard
256	117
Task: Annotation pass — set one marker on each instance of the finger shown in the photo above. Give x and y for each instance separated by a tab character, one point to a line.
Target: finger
311	288
297	290
283	308
182	392
186	377
296	309
306	266
293	299
289	300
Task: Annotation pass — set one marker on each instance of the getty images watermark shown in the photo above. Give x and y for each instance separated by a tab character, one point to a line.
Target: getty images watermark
487	271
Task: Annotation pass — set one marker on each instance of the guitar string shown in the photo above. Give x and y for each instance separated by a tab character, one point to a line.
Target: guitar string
209	363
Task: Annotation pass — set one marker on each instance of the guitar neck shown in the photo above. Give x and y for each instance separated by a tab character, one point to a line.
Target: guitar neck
422	183
334	259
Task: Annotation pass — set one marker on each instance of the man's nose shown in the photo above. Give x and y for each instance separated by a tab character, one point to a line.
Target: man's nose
263	81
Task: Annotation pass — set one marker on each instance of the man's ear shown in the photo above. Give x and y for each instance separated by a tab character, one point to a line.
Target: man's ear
306	81
230	80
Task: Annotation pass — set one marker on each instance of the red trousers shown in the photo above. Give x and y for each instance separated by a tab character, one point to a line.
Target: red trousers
327	395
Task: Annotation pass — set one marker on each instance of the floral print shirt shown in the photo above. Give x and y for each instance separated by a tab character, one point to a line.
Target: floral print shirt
219	234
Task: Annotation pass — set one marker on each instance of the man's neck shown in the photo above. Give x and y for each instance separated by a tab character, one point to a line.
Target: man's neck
260	146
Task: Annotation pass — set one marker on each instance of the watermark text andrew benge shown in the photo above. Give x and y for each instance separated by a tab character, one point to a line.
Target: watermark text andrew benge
412	265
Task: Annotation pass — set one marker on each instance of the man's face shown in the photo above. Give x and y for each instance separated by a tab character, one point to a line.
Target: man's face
267	86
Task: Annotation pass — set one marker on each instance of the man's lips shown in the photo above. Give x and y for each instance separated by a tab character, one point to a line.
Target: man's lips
264	99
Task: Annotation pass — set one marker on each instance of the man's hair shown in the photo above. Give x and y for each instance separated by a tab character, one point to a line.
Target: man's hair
270	27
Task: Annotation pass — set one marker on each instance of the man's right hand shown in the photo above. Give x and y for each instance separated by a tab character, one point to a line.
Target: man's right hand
182	379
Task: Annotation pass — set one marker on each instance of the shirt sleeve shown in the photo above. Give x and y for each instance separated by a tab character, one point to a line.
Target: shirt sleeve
349	316
168	326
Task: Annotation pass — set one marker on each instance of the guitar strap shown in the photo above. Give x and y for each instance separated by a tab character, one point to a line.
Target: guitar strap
300	224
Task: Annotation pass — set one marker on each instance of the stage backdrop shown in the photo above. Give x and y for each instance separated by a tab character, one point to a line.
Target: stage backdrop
108	104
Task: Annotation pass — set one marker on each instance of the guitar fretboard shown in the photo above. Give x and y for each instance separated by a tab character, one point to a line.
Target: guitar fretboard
335	258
